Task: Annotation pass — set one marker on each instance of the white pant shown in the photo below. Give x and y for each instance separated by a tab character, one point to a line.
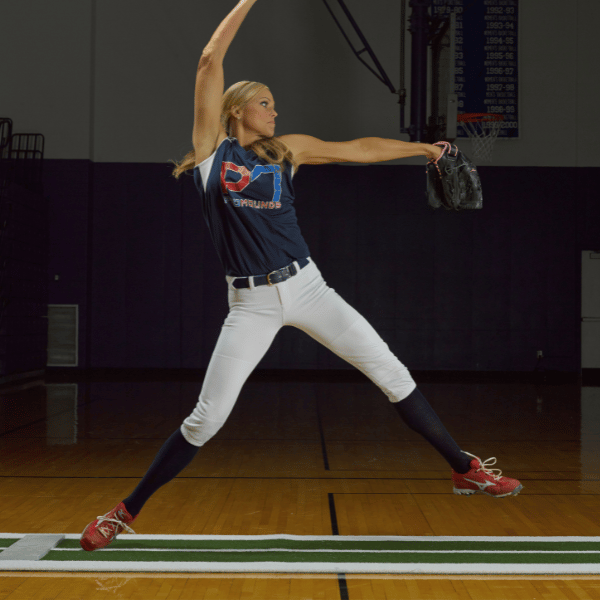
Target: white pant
255	316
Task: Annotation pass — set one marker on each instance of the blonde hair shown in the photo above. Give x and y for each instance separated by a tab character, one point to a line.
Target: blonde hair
270	149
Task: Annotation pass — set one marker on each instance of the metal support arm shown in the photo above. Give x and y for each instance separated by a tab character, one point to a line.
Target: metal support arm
419	28
382	75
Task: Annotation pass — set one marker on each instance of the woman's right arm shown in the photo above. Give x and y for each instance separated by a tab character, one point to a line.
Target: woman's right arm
210	83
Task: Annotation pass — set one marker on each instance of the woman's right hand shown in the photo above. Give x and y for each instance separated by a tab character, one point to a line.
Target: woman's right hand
210	83
223	36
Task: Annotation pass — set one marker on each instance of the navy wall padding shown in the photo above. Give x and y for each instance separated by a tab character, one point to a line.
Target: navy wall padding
479	291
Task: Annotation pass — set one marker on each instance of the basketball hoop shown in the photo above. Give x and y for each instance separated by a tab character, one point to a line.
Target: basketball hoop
483	129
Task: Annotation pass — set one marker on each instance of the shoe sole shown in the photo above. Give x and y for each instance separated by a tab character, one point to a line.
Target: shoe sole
469	492
87	544
90	546
84	545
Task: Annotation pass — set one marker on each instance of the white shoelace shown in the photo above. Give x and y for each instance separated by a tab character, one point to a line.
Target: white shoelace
106	531
485	466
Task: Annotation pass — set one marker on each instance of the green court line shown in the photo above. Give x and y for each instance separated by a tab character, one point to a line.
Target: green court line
341	545
330	557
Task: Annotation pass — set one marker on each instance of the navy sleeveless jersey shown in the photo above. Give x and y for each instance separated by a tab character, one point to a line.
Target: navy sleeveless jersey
248	207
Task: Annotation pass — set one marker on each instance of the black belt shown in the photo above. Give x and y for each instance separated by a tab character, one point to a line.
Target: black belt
273	277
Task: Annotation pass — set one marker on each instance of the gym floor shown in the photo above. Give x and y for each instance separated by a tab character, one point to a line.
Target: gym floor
306	453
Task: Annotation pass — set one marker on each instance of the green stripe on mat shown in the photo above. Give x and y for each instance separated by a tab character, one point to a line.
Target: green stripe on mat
8	542
329	557
319	554
145	544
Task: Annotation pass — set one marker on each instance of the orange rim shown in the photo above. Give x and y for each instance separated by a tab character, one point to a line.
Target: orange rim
479	117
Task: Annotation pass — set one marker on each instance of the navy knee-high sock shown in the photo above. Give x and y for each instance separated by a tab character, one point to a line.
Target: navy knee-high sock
418	414
176	454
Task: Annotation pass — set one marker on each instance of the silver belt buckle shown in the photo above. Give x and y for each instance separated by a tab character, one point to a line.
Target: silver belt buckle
281	272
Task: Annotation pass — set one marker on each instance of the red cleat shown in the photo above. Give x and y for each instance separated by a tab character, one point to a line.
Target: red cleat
483	480
103	530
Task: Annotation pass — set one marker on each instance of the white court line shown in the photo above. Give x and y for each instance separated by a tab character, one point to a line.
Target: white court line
277	567
338	538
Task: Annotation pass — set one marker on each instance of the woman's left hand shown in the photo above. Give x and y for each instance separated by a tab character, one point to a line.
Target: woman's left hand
433	152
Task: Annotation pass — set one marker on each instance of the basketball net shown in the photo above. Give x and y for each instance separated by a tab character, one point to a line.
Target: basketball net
482	129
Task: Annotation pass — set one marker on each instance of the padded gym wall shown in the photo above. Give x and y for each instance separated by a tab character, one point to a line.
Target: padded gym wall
110	84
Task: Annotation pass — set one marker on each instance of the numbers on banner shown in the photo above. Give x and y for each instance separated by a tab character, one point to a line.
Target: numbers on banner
502	109
491	62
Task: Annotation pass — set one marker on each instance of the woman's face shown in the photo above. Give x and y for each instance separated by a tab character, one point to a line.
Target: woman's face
259	114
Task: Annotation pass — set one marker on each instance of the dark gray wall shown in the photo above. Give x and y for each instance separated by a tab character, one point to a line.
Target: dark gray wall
113	81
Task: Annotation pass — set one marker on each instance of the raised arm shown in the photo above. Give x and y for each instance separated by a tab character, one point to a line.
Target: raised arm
313	151
210	83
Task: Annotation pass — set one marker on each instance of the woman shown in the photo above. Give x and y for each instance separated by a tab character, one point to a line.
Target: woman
244	177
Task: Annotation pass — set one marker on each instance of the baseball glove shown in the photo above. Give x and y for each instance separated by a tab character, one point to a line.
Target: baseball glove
453	181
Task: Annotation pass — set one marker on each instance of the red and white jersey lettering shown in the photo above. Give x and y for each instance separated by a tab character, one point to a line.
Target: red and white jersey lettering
230	185
246	177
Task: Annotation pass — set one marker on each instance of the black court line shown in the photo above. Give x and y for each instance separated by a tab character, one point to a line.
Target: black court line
588	495
322	435
333	515
343	584
312	478
252	440
379	441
